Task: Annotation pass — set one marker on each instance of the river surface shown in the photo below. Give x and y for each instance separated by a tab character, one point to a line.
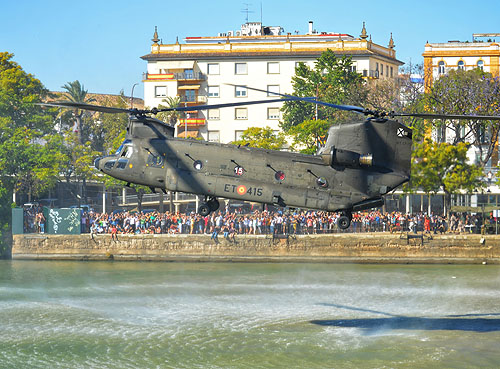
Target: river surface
58	314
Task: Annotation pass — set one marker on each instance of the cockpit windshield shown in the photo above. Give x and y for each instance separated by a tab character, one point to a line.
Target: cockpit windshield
125	142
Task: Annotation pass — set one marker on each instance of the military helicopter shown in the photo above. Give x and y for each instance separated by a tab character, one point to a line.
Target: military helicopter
360	162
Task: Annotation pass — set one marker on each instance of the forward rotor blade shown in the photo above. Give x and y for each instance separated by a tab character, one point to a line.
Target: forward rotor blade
446	116
313	100
217	106
75	105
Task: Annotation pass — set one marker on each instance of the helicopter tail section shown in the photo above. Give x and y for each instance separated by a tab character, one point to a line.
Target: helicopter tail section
381	147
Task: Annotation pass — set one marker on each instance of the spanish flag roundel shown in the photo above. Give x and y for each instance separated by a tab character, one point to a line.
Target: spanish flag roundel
241	190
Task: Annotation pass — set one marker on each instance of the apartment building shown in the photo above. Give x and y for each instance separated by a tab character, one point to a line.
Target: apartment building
483	52
215	70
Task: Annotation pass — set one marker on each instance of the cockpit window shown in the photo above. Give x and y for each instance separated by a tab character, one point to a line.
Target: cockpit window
125	142
109	164
122	163
127	151
155	161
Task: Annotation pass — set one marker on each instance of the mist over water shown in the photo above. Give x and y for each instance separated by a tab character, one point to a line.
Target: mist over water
236	315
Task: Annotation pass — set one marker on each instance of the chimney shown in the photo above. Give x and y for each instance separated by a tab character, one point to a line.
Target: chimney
310	28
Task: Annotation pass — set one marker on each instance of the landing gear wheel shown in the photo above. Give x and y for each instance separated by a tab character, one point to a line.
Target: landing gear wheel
204	209
213	204
344	221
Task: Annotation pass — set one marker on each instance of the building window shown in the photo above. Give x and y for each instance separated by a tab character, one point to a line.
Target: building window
161	91
392	72
387	71
213	91
240	113
213	136
441	67
189	96
461	65
237	135
273	68
273	113
480	64
213	68
213	114
240	91
381	69
273	88
353	68
240	68
441	134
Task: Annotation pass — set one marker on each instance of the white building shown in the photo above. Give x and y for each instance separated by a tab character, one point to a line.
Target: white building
205	70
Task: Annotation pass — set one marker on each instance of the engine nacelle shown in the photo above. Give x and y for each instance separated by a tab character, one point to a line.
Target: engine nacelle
347	158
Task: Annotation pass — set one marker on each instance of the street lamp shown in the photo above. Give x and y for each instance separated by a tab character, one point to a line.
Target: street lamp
132	96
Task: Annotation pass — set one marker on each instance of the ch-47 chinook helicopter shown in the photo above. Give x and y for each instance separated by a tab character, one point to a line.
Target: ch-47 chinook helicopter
360	162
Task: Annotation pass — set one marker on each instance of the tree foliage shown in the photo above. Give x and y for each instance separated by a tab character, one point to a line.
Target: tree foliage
331	80
75	92
442	166
169	116
264	138
309	134
466	92
105	128
28	149
29	155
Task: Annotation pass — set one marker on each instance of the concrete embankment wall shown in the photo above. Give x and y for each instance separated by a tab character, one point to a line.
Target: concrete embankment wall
359	248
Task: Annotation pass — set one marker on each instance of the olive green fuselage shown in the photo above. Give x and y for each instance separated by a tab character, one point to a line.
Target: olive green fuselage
250	174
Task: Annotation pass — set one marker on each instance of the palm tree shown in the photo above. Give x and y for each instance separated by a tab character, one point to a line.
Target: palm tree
75	92
170	116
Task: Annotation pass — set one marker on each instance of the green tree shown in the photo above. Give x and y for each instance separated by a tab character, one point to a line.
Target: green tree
331	80
75	92
264	138
28	151
169	116
309	134
441	166
105	128
466	92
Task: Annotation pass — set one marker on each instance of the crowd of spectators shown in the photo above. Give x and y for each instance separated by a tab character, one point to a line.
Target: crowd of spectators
33	219
229	224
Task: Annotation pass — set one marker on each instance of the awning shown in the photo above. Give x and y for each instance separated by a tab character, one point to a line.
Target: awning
191	134
177	64
188	87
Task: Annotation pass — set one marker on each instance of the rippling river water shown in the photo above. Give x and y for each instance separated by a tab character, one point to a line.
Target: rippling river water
223	315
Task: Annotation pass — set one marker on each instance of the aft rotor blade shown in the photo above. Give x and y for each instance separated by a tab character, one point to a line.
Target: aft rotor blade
217	106
446	116
75	105
313	100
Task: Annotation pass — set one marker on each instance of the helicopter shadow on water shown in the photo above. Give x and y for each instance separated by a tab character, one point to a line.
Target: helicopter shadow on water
467	322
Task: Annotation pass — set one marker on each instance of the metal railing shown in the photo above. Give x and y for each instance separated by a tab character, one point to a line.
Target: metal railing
195	76
154	198
192	75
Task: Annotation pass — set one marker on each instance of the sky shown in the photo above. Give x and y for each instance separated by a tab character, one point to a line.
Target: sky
100	43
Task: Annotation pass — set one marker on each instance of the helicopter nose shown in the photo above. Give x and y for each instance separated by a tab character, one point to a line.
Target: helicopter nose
96	162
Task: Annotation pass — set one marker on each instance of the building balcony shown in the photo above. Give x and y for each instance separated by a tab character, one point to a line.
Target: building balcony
192	122
190	100
191	76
